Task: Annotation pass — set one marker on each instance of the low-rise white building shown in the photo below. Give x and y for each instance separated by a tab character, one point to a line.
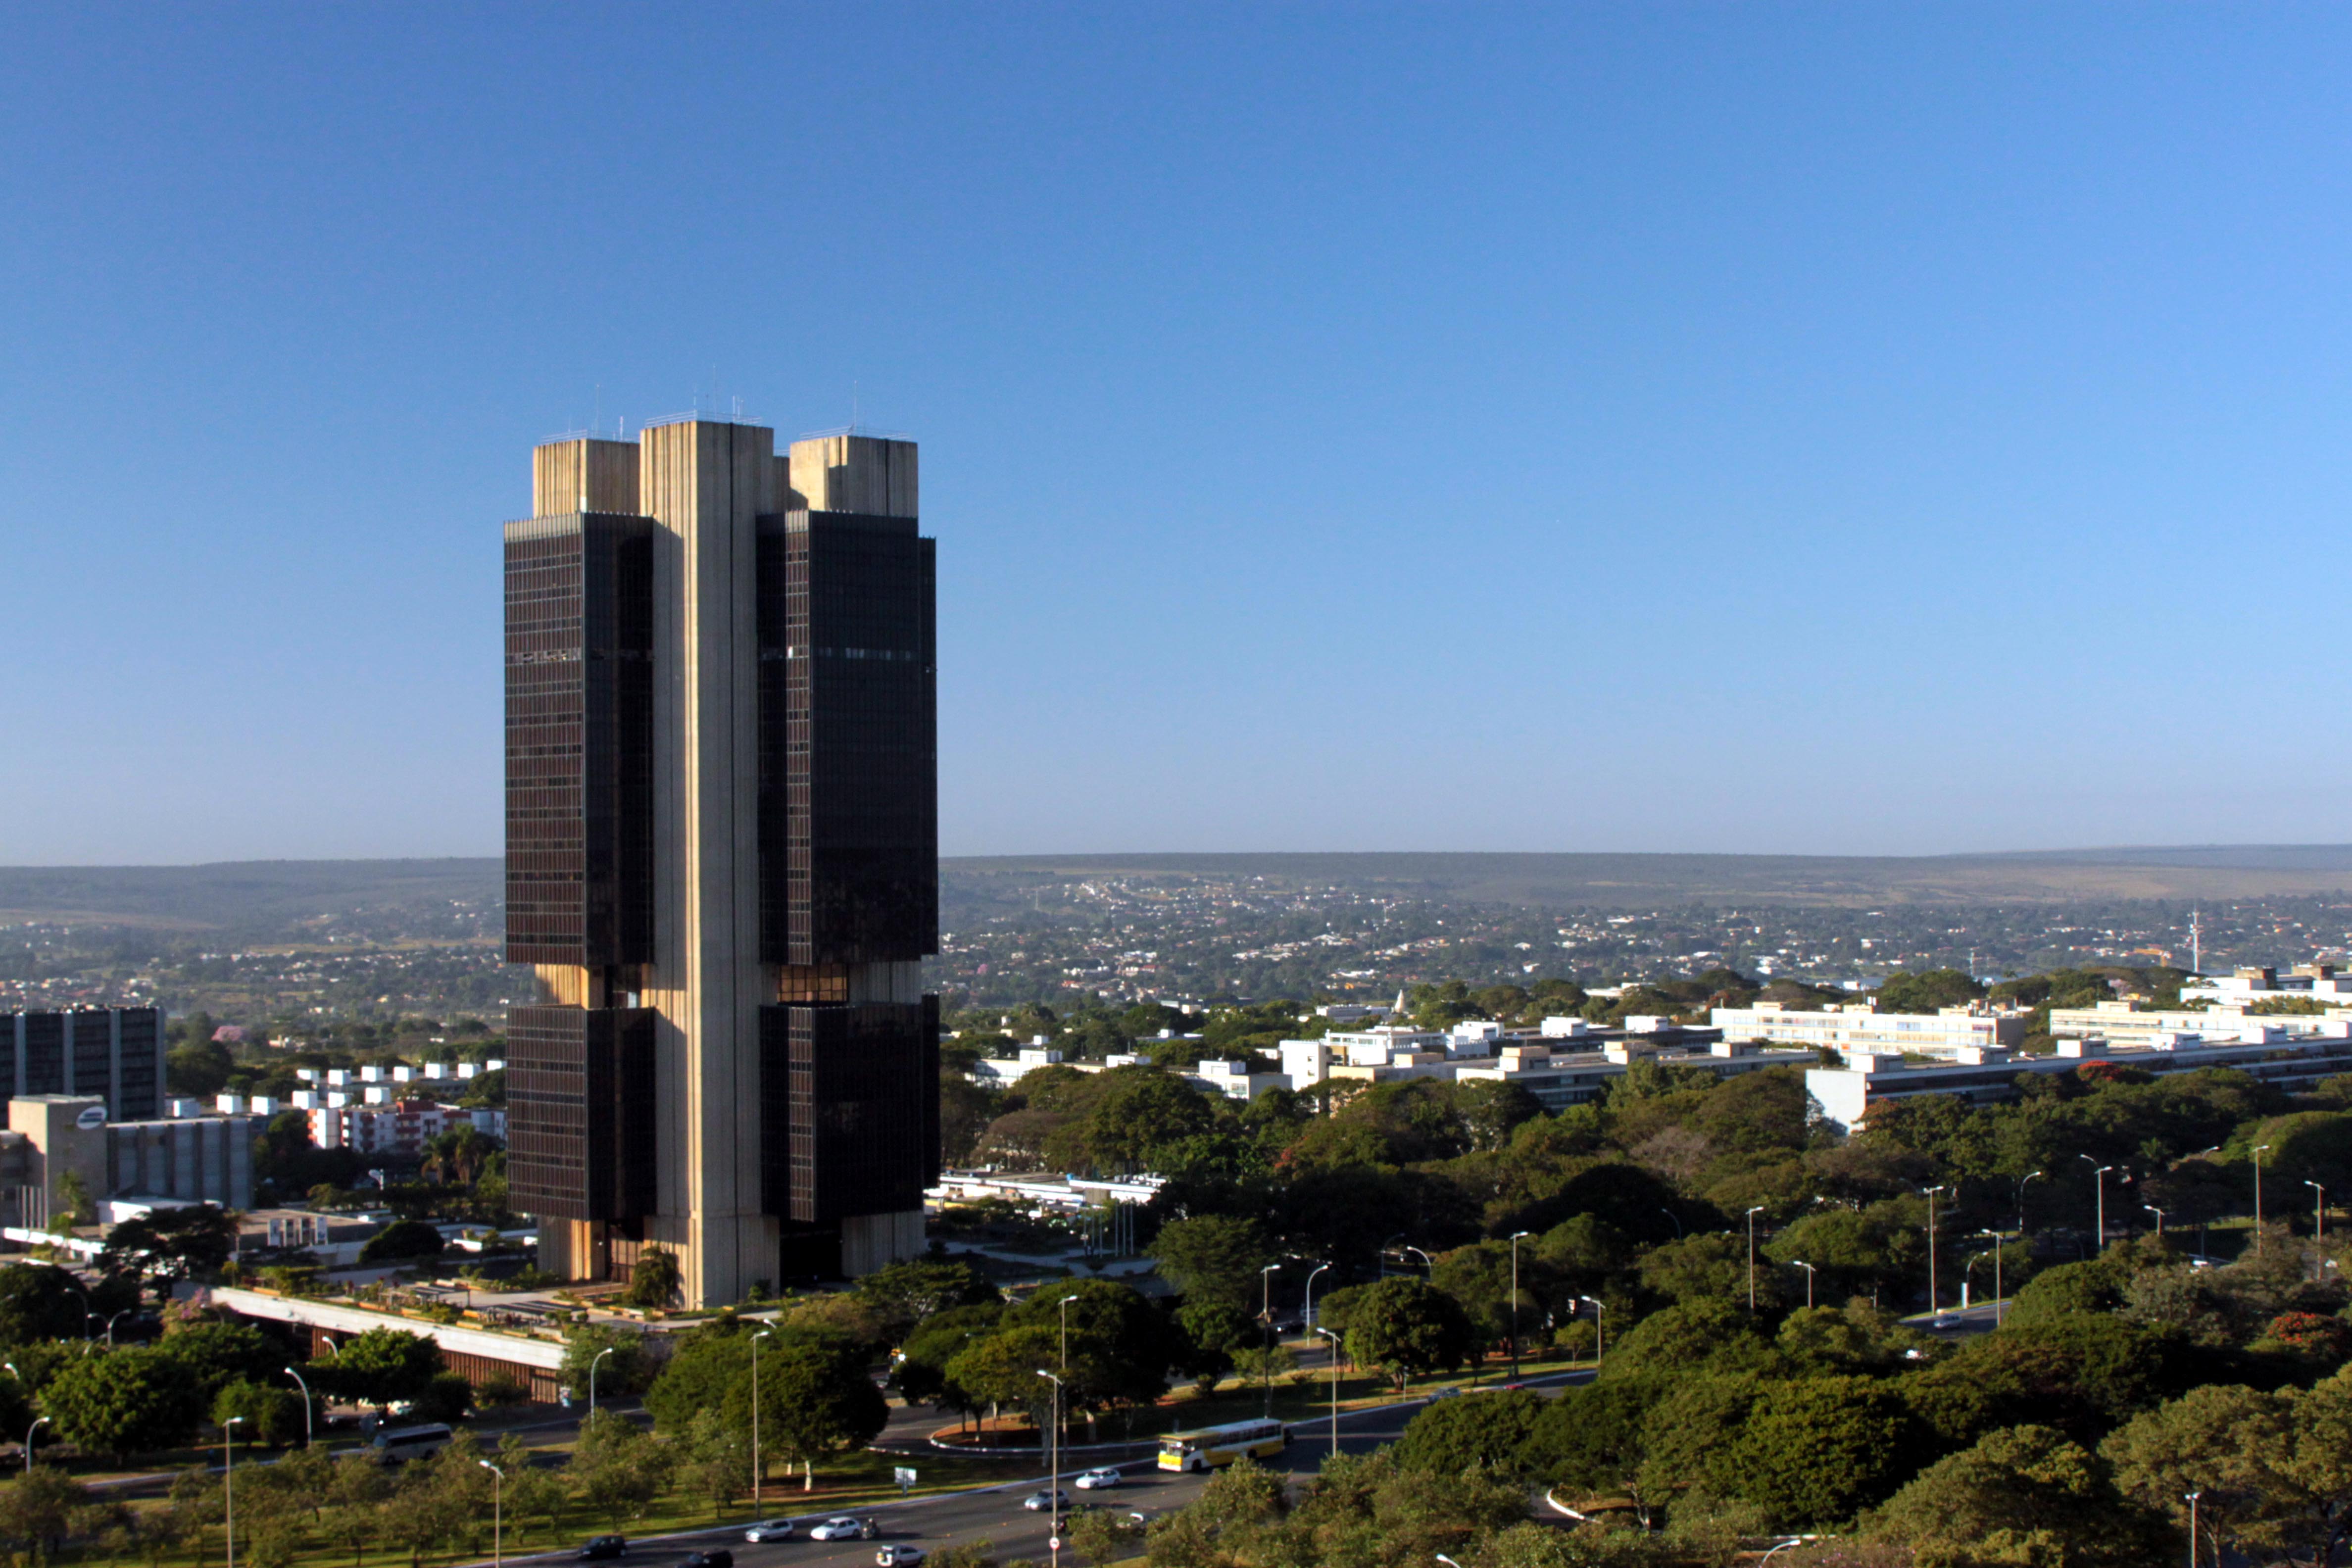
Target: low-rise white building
1853	1026
2256	984
1241	1079
403	1127
2267	1051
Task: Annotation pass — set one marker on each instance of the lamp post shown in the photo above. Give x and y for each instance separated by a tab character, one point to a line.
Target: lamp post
755	1421
2259	1150
36	1427
2159	1219
109	1327
2190	1498
1309	1315
1998	1242
1447	1560
1335	1386
2318	1211
1054	1486
1808	1282
1677	1219
498	1514
599	1356
2099	1178
1516	1237
1934	1305
1064	1309
228	1486
306	1405
1600	1333
2029	1176
1266	1316
1426	1260
1751	1254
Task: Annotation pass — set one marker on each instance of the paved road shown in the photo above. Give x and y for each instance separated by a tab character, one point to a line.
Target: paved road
996	1515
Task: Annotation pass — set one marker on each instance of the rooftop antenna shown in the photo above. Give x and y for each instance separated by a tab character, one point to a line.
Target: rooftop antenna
2196	941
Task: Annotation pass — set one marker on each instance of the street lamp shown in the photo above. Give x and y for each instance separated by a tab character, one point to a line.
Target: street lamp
1447	1560
2029	1176
28	1442
1516	1237
2159	1219
2260	1149
498	1514
1809	1273
1751	1255
228	1486
755	1422
1054	1486
1600	1333
1677	1219
1934	1306
109	1327
306	1405
2318	1211
2099	1176
1064	1308
1335	1387
1266	1316
1998	1242
1309	1315
2191	1498
599	1355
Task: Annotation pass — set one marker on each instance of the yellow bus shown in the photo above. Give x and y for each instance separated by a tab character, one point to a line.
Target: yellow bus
1213	1446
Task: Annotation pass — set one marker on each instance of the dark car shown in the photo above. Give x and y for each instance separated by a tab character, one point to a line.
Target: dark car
716	1557
601	1547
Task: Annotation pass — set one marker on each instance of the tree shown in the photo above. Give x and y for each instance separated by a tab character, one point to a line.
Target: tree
654	1281
1213	1331
122	1402
1120	1346
400	1241
269	1414
460	1154
618	1468
170	1243
37	1511
1492	1432
214	1355
624	1371
1592	1439
382	1366
2232	1445
815	1400
40	1301
718	1457
920	1374
1404	1326
913	1292
1213	1258
1816	1449
2026	1496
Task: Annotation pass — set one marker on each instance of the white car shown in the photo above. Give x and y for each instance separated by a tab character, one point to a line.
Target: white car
770	1529
843	1526
1040	1502
898	1557
1097	1480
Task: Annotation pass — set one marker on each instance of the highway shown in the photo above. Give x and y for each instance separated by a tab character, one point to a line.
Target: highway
995	1514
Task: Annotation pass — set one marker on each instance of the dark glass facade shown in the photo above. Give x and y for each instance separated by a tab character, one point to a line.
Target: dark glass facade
849	839
580	1112
854	1090
579	679
114	1054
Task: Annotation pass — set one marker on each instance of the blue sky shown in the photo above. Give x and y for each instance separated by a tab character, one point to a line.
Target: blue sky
1872	429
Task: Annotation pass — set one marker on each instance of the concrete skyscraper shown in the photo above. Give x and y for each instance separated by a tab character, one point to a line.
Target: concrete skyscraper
722	855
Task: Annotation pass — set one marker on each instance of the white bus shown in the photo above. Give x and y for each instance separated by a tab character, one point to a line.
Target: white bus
1213	1446
400	1442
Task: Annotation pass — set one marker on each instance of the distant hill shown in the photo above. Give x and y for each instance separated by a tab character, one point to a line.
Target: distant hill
263	900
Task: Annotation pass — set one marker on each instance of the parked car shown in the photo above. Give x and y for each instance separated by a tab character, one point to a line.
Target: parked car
601	1547
898	1557
1038	1503
770	1529
843	1526
1096	1480
716	1557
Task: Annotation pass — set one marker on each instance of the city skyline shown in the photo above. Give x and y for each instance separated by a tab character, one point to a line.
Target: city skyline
1791	431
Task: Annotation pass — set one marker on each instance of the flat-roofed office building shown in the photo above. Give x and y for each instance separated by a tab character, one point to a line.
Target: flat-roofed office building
113	1053
722	855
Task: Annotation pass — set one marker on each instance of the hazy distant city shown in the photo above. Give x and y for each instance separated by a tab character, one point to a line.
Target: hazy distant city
376	949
